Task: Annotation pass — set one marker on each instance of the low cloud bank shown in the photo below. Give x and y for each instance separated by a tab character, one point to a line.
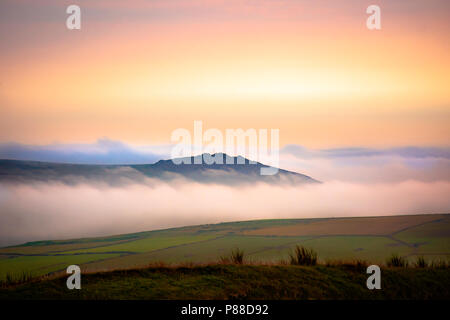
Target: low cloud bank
103	151
367	165
57	211
363	165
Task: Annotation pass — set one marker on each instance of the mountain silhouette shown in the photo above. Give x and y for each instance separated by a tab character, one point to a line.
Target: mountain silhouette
224	170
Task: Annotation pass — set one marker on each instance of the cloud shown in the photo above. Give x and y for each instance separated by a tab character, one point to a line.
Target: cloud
404	152
59	211
369	165
104	151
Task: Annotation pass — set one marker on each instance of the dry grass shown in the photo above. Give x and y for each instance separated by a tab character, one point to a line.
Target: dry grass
303	256
397	261
236	257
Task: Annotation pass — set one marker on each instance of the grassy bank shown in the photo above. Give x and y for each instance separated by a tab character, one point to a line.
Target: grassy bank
222	281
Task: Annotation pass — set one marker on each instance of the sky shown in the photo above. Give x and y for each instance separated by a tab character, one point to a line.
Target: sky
137	70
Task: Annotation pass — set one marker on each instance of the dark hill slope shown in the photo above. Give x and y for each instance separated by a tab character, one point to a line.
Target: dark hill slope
231	170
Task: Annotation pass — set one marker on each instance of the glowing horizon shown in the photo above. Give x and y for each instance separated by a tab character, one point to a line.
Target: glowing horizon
138	70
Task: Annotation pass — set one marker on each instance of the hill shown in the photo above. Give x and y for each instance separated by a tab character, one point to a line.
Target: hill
242	282
230	170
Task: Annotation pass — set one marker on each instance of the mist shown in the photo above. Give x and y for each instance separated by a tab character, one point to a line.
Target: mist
44	211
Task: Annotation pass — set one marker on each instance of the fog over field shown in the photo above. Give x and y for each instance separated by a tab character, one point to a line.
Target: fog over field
41	211
356	182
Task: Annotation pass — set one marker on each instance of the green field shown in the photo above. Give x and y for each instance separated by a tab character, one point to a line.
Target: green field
373	239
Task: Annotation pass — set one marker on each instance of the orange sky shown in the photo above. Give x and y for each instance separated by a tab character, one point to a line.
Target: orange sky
135	72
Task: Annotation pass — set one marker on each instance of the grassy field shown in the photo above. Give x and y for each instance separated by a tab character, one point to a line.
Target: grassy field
243	282
373	239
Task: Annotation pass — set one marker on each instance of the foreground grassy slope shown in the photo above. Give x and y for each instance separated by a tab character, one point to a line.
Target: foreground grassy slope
372	239
243	282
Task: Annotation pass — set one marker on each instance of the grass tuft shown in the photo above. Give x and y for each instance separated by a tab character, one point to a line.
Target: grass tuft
303	256
397	261
236	257
421	262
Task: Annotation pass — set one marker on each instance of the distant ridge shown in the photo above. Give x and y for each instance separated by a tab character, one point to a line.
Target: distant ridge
231	170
